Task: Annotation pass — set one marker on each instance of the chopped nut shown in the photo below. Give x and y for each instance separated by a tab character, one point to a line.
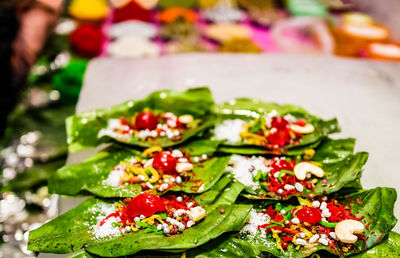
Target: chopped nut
185	119
347	229
308	128
303	168
197	213
184	167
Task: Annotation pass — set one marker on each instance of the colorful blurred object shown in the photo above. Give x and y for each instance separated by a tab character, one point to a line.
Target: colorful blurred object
147	4
355	32
177	13
68	81
306	8
303	35
179	30
132	11
223	13
88	9
261	4
355	18
383	51
187	46
239	45
87	40
132	28
130	46
266	17
226	31
119	3
176	3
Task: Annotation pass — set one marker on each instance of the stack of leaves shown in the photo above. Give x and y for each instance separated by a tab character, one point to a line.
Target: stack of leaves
185	177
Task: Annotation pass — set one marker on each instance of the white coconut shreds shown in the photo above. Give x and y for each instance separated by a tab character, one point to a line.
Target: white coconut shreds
229	130
107	230
256	219
290	118
244	168
114	178
112	126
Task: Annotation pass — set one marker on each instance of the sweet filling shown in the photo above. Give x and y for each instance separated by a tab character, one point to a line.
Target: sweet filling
271	131
165	215
281	177
149	125
155	169
321	222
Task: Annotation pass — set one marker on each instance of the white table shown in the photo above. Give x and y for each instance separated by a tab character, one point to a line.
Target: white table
363	95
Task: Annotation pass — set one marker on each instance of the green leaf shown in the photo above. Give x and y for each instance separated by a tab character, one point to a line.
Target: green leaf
389	247
225	246
89	176
343	170
199	146
231	246
248	109
83	129
72	230
376	207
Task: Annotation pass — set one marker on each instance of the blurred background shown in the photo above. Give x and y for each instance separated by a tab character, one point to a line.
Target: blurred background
46	46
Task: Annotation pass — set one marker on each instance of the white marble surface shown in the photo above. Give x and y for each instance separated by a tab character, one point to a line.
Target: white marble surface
363	95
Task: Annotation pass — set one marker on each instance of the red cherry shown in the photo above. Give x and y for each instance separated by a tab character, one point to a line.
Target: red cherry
280	138
309	214
145	204
146	120
279	123
165	162
281	164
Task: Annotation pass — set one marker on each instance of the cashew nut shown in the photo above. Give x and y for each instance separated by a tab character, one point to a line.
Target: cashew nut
185	119
345	230
197	213
308	128
183	167
301	170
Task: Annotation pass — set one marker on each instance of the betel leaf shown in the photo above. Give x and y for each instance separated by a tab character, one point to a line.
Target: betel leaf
224	246
72	230
389	247
231	246
342	168
83	129
375	205
90	175
249	109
